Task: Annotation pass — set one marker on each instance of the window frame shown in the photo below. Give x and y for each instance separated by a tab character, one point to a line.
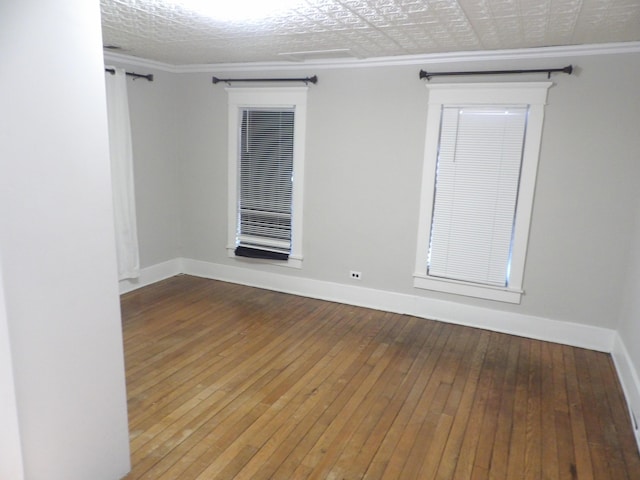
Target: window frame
240	98
531	94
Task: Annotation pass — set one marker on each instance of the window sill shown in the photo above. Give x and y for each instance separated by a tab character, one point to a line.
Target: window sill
467	289
295	261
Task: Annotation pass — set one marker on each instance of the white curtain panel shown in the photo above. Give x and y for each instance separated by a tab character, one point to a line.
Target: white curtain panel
122	175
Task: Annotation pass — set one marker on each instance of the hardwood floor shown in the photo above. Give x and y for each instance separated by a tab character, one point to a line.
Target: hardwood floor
226	381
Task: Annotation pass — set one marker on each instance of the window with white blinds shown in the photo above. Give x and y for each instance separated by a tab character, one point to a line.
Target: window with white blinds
266	146
266	172
481	154
477	175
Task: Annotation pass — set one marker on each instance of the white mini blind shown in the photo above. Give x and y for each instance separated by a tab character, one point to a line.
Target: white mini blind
266	171
476	192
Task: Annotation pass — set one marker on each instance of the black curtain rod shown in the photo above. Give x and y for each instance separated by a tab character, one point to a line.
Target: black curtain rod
568	70
306	80
149	76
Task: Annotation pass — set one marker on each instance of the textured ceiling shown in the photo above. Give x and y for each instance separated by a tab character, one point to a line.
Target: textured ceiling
165	32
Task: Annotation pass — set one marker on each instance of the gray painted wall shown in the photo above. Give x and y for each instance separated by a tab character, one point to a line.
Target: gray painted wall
363	167
365	144
155	128
629	328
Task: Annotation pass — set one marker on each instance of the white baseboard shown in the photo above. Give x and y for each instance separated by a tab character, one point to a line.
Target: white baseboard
628	376
584	336
152	274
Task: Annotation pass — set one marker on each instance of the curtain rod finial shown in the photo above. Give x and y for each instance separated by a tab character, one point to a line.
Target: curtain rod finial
424	75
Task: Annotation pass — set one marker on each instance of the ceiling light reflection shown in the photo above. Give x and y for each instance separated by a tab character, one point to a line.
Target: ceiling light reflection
239	10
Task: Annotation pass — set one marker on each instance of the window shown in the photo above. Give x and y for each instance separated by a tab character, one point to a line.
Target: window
266	168
481	156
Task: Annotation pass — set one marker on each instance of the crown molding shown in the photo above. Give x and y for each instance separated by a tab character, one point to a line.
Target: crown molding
121	59
403	60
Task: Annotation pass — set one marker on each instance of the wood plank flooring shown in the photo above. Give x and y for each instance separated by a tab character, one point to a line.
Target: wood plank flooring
232	382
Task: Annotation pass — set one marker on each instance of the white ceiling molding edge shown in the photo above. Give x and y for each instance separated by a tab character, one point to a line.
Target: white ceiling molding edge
436	58
122	59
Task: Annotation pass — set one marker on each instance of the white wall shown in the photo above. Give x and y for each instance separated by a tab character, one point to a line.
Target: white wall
57	244
11	466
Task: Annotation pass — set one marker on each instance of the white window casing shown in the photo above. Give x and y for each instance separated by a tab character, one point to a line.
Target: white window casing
242	101
494	117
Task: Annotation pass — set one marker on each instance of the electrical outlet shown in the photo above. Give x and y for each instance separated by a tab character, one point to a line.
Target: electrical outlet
356	275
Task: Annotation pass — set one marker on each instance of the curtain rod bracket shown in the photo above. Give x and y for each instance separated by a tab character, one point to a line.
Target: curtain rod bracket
306	80
148	76
428	75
